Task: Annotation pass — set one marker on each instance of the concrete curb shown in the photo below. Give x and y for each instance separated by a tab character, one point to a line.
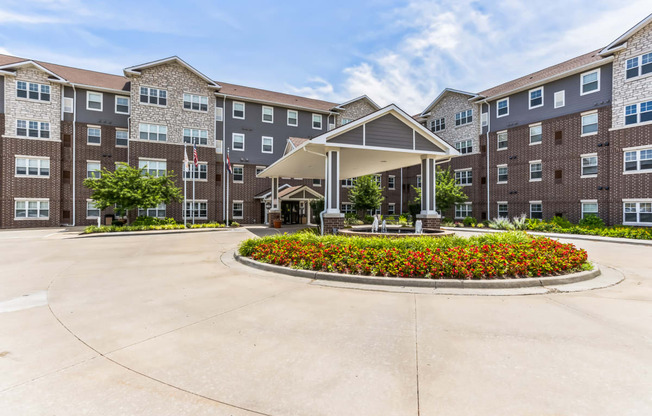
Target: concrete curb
150	232
560	235
429	283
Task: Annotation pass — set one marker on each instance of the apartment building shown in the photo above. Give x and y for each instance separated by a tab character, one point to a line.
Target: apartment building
569	140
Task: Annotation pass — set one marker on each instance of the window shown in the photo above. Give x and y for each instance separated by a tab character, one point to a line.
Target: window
560	99
503	212
638	160
535	134
267	144
153	132
463	117
346	121
536	210
156	212
316	182
391	208
93	169
268	114
121	138
68	105
238	173
373	211
219	114
536	98
638	113
33	209
94	101
589	165
259	170
153	96
293	118
316	121
589	207
639	65
378	180
502	108
590	82
200	171
195	136
535	171
156	168
502	173
33	167
590	124
32	91
238	110
121	105
33	129
463	210
237	210
348	183
238	141
195	102
502	140
464	147
484	117
93	135
197	210
438	125
464	177
637	212
391	182
92	211
418	181
347	208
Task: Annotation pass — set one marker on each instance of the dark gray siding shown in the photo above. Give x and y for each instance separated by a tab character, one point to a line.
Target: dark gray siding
350	137
421	143
105	117
69	93
388	131
253	128
2	95
519	114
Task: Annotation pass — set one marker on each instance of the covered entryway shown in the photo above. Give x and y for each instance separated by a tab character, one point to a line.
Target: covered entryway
295	203
384	140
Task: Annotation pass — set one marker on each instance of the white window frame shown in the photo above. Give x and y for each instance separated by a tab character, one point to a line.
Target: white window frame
316	182
93	162
639	112
296	118
219	114
262	144
116	137
391	208
639	66
419	183
260	169
637	150
536	203
500	134
637	202
460	147
39	90
563	98
468	117
234	168
484	119
201	135
237	217
498	205
498	168
157	210
157	163
267	107
68	103
88	128
535	162
196	208
465	177
347	208
533	126
194	98
149	128
506	99
243	110
587	202
196	171
88	100
529	96
40	129
438	124
233	136
128	104
582	125
321	121
38	217
582	81
391	182
149	95
586	156
90	203
468	212
39	166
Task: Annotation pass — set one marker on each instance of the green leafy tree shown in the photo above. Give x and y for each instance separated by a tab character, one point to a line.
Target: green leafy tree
447	192
366	194
130	188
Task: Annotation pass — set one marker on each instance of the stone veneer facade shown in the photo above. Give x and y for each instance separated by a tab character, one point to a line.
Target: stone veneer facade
448	105
355	110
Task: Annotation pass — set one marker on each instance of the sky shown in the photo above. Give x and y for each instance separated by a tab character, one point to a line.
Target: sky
402	52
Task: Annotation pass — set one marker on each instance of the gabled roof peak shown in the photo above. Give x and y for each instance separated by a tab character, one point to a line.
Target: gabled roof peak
441	95
616	44
137	69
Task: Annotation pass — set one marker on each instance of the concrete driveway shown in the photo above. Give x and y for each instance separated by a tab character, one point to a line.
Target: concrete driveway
160	325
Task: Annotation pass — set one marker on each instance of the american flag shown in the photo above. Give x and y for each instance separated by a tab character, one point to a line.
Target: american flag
228	164
195	158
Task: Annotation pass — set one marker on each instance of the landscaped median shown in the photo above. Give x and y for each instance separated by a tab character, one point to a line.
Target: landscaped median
493	256
159	225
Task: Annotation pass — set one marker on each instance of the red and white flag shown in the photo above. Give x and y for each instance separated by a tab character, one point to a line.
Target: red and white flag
195	158
228	164
186	162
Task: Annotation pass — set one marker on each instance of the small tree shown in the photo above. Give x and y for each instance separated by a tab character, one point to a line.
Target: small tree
366	194
130	188
316	207
447	192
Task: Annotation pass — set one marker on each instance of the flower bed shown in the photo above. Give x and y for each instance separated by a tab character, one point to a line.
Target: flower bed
505	255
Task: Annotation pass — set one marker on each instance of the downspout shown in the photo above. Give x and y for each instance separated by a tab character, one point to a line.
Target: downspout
488	146
224	178
401	203
74	160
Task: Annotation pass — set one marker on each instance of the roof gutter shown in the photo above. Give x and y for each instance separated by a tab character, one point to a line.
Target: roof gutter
255	100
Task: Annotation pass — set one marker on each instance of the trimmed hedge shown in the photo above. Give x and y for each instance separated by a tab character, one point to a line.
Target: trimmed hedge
92	229
480	257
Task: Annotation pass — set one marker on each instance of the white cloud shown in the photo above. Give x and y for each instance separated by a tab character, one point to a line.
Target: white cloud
27	18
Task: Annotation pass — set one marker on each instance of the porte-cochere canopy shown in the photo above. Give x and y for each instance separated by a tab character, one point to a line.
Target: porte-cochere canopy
384	140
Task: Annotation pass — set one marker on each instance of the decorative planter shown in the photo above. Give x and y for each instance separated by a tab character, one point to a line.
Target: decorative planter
277	223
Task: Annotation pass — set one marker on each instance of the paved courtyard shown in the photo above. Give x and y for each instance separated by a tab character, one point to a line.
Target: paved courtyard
167	325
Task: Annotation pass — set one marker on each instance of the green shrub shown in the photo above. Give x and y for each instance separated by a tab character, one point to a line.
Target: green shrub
561	222
114	229
469	222
145	221
207	225
235	224
592	221
368	219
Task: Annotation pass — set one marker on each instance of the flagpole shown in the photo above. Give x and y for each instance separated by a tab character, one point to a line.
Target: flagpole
185	180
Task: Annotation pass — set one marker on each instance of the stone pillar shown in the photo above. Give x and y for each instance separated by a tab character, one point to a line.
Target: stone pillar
428	216
274	212
333	219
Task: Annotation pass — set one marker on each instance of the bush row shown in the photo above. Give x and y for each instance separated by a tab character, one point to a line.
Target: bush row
150	223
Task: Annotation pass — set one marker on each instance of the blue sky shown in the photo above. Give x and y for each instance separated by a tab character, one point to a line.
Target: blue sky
404	52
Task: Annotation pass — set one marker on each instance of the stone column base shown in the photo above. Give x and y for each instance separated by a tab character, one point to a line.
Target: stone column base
271	216
333	222
430	221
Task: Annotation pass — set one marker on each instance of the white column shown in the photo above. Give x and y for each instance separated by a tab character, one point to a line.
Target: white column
428	185
332	182
275	202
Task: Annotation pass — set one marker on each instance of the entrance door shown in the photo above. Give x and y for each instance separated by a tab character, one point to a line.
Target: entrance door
290	212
